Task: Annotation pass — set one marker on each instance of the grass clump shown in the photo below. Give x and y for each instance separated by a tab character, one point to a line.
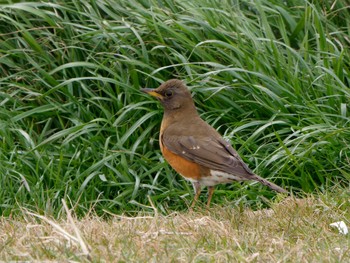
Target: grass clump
271	76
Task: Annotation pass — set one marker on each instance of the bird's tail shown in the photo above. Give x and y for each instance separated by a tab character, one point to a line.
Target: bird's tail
269	184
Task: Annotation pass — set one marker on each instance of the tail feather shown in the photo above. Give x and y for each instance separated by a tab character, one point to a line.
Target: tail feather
269	184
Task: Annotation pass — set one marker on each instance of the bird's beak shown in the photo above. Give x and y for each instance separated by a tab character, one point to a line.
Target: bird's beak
153	93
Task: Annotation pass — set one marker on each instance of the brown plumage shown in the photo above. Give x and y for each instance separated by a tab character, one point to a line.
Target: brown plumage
194	148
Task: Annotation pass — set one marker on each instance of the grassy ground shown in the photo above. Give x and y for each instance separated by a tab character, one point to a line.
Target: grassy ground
293	230
271	76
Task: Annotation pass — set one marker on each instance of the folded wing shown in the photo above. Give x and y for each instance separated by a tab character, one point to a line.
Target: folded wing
214	153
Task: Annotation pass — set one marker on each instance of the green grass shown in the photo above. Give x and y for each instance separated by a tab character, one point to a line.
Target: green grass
273	78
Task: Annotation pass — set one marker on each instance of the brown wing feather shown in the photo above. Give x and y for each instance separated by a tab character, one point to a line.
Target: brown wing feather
216	154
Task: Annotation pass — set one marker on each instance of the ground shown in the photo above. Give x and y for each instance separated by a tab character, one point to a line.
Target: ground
292	230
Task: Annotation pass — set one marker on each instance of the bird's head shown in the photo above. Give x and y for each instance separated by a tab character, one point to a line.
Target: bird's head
173	95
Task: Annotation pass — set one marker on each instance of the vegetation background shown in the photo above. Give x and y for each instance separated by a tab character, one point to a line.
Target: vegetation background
271	76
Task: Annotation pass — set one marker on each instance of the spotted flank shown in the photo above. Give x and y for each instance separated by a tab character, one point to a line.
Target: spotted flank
218	177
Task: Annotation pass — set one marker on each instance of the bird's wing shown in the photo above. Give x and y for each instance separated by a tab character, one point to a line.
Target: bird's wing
216	154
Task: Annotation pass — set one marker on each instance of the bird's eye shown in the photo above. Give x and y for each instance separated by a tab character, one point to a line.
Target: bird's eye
168	93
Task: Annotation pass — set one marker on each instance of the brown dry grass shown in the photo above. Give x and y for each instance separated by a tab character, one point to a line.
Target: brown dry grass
294	230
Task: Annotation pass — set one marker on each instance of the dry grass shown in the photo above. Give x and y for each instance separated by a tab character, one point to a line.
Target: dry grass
294	230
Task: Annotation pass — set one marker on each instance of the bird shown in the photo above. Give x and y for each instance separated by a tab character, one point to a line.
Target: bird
195	149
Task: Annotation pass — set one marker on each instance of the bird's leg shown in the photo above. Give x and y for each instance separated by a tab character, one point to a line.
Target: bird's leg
197	191
210	194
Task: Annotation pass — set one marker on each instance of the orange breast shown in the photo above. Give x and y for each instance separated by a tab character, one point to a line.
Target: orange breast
187	169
